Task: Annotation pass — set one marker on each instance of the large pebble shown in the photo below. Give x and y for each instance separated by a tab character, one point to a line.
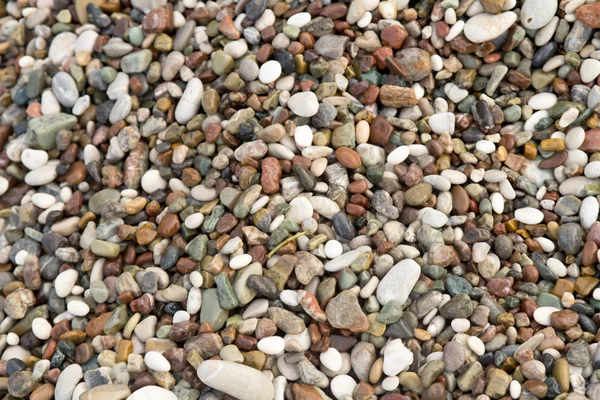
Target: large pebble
398	282
485	27
237	380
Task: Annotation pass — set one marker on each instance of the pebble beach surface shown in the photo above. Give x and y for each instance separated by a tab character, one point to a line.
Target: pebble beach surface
323	200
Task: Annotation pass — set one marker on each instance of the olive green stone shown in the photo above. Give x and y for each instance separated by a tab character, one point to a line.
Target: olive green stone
347	279
234	83
412	382
222	63
466	379
541	79
391	312
106	249
512	113
227	298
291	31
548	300
430	371
197	248
41	131
99	199
136	36
211	311
344	136
37	83
418	194
136	62
108	74
117	320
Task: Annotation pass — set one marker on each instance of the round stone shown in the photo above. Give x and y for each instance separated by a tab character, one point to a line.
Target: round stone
269	72
41	328
304	104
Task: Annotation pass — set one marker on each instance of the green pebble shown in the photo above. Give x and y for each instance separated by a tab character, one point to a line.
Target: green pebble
136	36
211	310
347	279
512	113
391	312
291	31
512	59
227	298
117	321
108	74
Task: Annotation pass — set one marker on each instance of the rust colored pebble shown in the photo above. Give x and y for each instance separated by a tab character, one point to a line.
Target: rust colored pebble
348	158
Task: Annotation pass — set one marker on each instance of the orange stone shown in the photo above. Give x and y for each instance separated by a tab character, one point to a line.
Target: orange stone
348	158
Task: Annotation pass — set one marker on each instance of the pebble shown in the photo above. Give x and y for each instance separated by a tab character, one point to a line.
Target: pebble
396	357
304	104
232	379
156	362
65	282
535	14
485	27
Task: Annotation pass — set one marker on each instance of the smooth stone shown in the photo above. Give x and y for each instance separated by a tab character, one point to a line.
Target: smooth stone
304	104
190	101
442	123
589	70
485	27
62	47
542	101
152	392
232	379
535	14
68	379
542	315
529	215
398	283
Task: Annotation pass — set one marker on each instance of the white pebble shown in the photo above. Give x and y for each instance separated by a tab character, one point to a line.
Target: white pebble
269	72
476	345
333	249
529	215
41	328
78	308
331	359
157	362
460	325
240	261
542	315
271	345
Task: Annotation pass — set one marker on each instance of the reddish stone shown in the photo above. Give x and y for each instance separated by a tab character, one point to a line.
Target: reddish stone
334	11
359	186
530	274
393	36
501	287
589	255
594	233
381	54
271	175
589	14
592	140
348	158
227	28
156	21
76	173
169	225
564	319
381	130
